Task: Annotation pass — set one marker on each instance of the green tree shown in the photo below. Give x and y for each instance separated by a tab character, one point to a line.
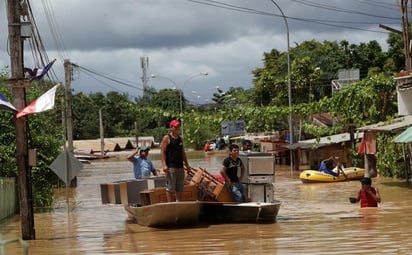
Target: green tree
44	134
396	51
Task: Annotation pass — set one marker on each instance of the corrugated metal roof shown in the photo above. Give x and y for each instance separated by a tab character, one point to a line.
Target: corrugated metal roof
338	138
404	137
324	141
394	125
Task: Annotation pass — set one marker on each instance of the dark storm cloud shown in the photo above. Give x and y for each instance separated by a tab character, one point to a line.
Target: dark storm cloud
182	38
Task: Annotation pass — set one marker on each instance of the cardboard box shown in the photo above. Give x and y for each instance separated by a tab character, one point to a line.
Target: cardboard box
110	193
158	195
128	191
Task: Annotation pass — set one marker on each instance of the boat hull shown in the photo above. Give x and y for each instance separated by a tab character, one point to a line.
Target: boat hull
166	214
251	212
315	176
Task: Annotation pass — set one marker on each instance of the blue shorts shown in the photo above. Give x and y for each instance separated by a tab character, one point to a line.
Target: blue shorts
175	180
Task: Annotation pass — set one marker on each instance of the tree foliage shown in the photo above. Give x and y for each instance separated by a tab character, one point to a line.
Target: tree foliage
265	107
44	134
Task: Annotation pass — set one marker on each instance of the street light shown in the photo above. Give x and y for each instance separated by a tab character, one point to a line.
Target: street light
289	82
180	89
159	76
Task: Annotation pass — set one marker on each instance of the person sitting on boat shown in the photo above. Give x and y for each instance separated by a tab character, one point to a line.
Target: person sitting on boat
327	166
246	145
339	166
142	166
230	168
368	195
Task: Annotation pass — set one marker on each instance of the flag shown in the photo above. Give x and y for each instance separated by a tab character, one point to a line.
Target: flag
361	149
6	105
43	103
38	73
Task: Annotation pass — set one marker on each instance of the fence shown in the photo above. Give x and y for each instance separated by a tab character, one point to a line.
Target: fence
8	197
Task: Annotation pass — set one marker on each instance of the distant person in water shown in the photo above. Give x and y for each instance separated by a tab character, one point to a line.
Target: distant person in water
368	196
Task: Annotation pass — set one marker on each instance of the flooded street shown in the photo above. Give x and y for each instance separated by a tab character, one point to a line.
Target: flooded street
313	219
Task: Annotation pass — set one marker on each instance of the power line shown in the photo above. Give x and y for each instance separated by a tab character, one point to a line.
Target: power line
37	47
338	9
120	81
332	23
54	30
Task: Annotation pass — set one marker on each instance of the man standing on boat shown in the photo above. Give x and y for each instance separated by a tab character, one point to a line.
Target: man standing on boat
142	166
173	155
230	168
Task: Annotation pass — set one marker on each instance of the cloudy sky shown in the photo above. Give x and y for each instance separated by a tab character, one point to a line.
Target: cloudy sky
182	38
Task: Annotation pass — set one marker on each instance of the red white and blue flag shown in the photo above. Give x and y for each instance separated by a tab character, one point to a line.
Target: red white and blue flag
38	73
6	105
43	103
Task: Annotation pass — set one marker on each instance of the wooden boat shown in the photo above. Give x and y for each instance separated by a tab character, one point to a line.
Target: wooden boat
350	173
251	212
167	214
89	156
216	205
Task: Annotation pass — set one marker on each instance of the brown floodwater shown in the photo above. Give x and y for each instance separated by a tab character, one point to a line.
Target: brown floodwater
313	219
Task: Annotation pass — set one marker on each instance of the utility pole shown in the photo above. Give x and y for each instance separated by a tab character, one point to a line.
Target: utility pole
144	62
101	132
68	96
69	125
406	35
18	84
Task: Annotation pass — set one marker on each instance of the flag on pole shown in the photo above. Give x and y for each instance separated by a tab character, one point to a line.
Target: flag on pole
43	103
38	73
361	149
6	105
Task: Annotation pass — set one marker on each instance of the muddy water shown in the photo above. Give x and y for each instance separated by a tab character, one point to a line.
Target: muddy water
313	219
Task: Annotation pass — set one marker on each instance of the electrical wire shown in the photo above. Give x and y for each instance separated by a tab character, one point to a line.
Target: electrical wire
338	9
102	82
332	23
54	29
38	50
106	76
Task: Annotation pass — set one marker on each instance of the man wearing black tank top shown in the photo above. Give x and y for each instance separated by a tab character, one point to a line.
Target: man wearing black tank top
173	155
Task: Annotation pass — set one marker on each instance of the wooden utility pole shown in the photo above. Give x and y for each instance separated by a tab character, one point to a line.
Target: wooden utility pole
68	126
18	84
101	132
68	105
406	35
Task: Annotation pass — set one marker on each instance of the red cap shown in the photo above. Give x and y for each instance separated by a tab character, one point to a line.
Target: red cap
174	123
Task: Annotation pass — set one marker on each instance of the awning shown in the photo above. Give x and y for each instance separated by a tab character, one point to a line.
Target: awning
392	126
323	141
404	137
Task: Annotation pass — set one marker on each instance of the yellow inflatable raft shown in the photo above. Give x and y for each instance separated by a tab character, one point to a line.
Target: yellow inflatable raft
349	174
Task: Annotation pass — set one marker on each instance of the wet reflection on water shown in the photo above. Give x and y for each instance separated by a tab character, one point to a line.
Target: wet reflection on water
313	219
